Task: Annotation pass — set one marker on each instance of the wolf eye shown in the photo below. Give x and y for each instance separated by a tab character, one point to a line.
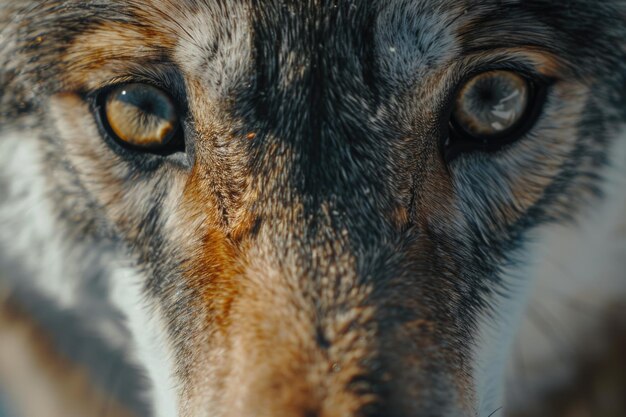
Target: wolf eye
143	118
490	110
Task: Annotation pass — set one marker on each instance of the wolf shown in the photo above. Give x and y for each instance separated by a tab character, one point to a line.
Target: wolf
300	208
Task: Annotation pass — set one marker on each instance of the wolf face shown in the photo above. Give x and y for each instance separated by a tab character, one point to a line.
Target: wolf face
333	218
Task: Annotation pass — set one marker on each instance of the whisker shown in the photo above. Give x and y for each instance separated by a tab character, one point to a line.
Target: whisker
495	411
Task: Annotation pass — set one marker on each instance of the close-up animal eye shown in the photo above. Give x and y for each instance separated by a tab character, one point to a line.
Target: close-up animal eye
143	118
490	110
292	208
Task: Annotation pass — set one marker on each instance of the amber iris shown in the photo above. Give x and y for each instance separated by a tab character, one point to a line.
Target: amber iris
492	103
141	115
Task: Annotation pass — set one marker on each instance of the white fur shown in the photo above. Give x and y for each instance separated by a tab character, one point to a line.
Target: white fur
149	332
581	272
31	237
496	332
202	28
582	262
27	228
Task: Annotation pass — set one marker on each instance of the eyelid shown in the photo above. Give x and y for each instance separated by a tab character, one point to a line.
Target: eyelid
166	78
532	61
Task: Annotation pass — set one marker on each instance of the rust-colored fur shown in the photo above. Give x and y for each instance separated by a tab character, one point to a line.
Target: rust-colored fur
319	241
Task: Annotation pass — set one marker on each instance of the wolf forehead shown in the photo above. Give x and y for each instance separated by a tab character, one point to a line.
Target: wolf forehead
218	41
308	77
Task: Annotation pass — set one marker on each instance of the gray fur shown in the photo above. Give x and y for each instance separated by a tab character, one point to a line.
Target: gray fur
347	102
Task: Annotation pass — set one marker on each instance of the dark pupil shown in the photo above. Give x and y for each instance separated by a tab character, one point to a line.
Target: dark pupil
147	101
488	93
491	104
